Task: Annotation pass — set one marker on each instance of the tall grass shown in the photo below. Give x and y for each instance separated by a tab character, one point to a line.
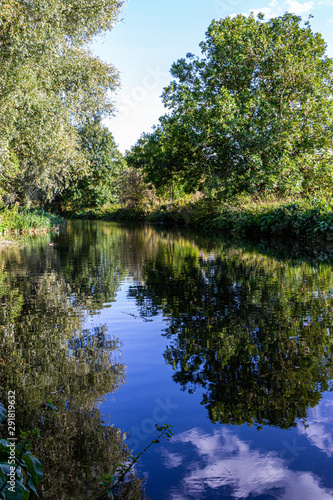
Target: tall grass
27	221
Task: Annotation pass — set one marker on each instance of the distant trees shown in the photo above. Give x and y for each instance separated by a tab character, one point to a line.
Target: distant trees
253	115
100	182
51	85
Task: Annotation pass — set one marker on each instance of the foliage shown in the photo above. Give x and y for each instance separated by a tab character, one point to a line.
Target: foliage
311	218
111	484
189	211
168	159
50	84
20	220
135	193
17	461
253	115
100	183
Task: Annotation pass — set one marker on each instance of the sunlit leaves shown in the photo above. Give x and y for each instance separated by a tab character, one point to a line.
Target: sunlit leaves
101	180
49	82
253	115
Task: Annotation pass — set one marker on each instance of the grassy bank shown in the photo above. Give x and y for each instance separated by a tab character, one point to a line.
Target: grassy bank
20	221
310	218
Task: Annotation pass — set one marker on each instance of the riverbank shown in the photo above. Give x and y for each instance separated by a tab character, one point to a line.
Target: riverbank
310	218
18	221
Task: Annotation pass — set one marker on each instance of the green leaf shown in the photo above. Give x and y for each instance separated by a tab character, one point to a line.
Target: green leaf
4	449
12	492
2	476
20	492
33	466
32	488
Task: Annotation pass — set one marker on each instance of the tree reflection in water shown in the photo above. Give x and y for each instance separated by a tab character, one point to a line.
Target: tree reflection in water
253	332
47	354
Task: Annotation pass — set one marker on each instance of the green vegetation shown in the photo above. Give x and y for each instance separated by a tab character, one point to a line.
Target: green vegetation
18	220
15	457
249	129
310	218
244	148
52	89
111	483
101	182
253	116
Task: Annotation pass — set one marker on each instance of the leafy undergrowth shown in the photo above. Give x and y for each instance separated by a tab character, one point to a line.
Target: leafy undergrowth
17	220
309	218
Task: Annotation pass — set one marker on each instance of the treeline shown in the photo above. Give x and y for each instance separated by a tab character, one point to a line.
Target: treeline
250	121
53	95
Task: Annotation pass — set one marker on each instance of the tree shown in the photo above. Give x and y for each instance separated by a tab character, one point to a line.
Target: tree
100	183
50	84
256	110
166	155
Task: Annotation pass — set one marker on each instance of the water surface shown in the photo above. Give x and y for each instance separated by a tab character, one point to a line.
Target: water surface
127	327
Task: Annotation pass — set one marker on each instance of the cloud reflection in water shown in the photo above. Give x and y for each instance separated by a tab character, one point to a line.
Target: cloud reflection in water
319	430
223	462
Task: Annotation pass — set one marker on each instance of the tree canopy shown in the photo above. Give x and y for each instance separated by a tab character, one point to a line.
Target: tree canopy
253	114
50	84
101	180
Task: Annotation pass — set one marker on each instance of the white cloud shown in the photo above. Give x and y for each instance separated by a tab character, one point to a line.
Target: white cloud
274	9
320	426
222	459
299	7
171	460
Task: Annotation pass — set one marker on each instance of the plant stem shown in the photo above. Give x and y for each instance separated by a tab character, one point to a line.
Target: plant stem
133	462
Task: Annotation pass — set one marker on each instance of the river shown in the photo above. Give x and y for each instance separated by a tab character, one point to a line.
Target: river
123	328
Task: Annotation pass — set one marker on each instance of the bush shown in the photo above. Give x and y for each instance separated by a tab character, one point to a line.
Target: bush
301	218
136	195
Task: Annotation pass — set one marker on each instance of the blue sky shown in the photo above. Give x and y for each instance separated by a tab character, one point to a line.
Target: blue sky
155	33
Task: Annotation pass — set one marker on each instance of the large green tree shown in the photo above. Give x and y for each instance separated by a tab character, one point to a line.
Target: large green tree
169	157
50	84
254	114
